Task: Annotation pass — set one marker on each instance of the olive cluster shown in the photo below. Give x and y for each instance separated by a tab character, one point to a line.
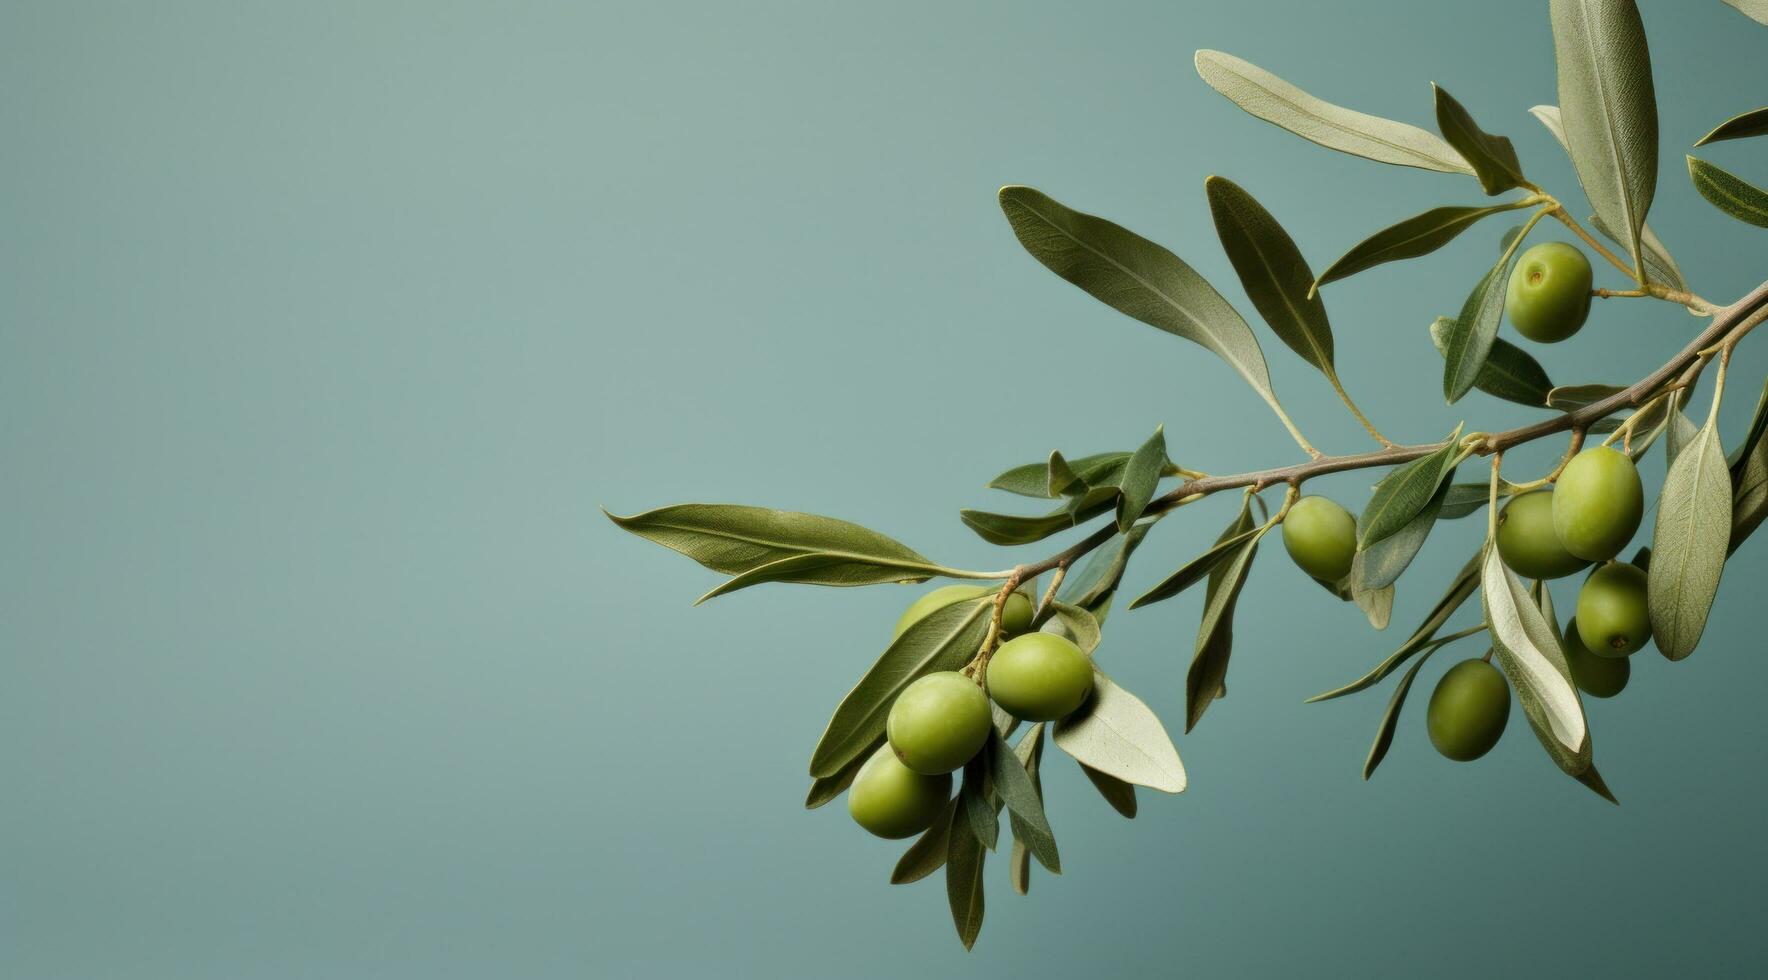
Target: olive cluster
1587	518
942	720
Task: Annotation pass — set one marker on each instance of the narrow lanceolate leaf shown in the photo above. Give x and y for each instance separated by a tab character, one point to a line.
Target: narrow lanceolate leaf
1030	752
929	851
1272	271
1465	583
1688	547
1059	476
1510	372
1463	499
1197	568
1405	491
1012	529
1756	10
945	639
1752	437
1140	478
1609	110
1136	277
1657	257
734	539
1749	503
963	879
1726	191
1018	789
1741	126
836	568
1492	157
978	801
1682	432
1418	235
1115	733
1121	795
1276	101
1215	634
1570	398
1529	651
1094	583
1384	732
828	787
1384	561
1468	339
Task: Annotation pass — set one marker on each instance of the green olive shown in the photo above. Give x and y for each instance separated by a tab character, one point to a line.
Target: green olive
1015	618
1321	538
1468	710
893	801
1040	676
1613	620
1549	293
939	722
1526	539
1598	503
1599	677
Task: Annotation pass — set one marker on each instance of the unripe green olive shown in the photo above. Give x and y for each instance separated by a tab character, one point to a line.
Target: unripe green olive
1599	677
939	722
1527	541
1321	537
1015	618
1597	503
1468	710
1613	619
1549	292
1040	676
893	801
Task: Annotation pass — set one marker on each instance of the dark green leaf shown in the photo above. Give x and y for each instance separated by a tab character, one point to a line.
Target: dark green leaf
1510	372
1384	733
1405	491
1418	235
1276	101
1492	157
1739	456
1272	271
734	539
1469	337
1094	583
1741	126
944	639
828	787
836	569
1140	478
1215	634
1688	546
1012	529
963	879
1025	806
1609	110
1115	733
1059	476
1730	194
1528	650
929	851
1119	794
1194	570
1385	560
976	797
1465	583
1571	398
1463	499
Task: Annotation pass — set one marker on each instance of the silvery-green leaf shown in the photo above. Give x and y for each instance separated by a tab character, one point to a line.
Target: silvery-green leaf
1012	529
1018	789
1058	475
1140	478
1740	126
1272	271
1376	601
1729	193
1215	633
1570	398
1469	336
1510	372
944	639
1688	546
1493	159
1463	499
963	878
1384	732
1405	491
1136	277
1076	624
828	787
1092	586
1119	794
1529	652
734	539
1756	10
1608	109
833	569
1276	101
929	851
1460	589
1384	561
1657	257
1418	235
1115	733
1681	432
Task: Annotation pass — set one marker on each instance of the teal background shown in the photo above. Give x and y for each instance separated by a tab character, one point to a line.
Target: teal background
325	329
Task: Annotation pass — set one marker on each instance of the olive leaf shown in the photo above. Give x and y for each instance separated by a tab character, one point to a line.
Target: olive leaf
976	797
1076	624
1272	271
1141	475
1136	277
1752	438
1492	157
1510	372
1405	491
1740	126
1215	633
1468	339
1609	110
1681	432
735	539
1276	101
1571	398
1059	476
1529	652
1657	257
944	639
1197	568
1384	732
1116	734
963	878
1729	193
1092	586
1014	780
929	851
1384	561
1688	545
1756	10
1418	235
1375	600
826	788
1012	529
1119	794
1463	499
836	569
1749	505
1460	589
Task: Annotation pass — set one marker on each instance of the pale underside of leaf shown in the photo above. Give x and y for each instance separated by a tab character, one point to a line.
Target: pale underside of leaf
1756	10
1115	733
1689	544
1528	650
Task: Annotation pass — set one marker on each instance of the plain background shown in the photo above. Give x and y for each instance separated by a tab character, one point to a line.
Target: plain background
326	328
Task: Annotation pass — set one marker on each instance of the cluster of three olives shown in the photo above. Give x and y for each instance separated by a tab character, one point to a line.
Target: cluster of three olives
942	720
